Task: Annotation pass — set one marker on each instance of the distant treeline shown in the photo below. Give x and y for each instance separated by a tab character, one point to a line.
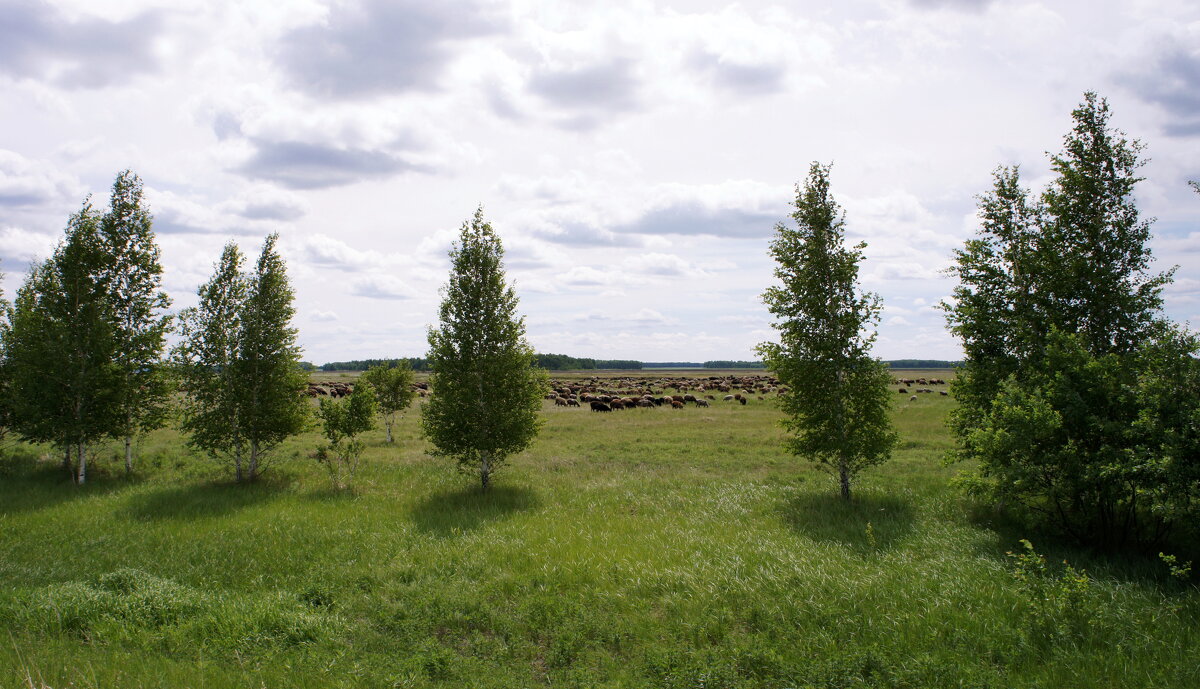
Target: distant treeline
417	363
922	363
562	362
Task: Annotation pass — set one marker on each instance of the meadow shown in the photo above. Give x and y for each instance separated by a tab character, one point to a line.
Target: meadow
642	548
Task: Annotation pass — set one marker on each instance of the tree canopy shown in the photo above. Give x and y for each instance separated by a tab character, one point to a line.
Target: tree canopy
486	391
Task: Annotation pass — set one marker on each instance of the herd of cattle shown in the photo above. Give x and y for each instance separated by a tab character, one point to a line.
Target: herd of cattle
906	383
613	394
622	392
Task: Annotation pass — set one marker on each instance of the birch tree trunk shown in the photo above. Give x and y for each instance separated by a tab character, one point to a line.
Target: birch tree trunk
82	476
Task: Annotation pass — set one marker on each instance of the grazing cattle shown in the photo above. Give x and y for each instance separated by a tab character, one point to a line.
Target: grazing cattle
560	402
616	405
600	406
676	404
701	403
742	400
646	403
902	391
572	402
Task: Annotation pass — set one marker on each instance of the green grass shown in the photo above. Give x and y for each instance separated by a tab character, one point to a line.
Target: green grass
659	547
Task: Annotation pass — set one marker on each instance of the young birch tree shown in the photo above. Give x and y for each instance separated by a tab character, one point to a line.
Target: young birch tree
486	391
270	387
836	410
211	344
341	422
134	279
241	364
393	390
61	345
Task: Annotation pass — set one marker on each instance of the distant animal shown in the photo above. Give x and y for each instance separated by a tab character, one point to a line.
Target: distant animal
902	391
912	399
701	403
676	404
600	406
560	402
944	393
742	400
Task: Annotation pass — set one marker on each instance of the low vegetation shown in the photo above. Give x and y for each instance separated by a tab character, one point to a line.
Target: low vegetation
646	547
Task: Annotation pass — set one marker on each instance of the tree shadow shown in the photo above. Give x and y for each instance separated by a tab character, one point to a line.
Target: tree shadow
868	522
1132	564
457	510
204	500
29	483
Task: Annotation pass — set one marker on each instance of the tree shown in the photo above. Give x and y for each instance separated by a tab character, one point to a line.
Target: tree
393	390
240	363
837	407
1076	399
342	421
271	382
205	358
134	281
61	346
486	391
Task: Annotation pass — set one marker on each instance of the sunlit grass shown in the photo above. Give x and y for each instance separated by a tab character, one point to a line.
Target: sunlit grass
649	547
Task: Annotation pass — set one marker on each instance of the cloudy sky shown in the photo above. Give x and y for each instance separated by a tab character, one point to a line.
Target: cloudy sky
633	156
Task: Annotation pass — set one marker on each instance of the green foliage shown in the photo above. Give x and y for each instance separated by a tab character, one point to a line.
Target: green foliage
239	362
837	411
1076	401
1058	606
134	282
211	344
342	421
486	392
270	381
61	344
393	390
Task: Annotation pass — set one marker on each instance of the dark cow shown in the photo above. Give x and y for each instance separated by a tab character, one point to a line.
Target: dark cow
600	406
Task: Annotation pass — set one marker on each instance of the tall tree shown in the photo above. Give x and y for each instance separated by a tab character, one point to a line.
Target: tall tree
270	380
486	391
61	346
1075	395
240	362
211	333
837	406
393	390
134	280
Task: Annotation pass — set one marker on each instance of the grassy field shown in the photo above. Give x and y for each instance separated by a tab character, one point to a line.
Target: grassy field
643	548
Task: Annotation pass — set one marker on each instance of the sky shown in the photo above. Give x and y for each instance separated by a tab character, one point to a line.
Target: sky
634	157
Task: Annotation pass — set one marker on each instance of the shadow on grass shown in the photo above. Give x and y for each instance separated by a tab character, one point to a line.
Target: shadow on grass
1131	564
868	522
454	511
202	500
28	483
